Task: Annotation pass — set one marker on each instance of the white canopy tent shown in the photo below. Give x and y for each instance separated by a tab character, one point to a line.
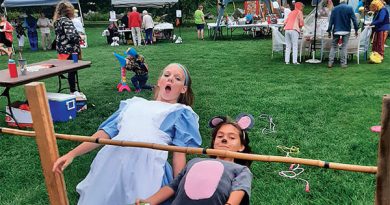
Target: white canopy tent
27	3
143	3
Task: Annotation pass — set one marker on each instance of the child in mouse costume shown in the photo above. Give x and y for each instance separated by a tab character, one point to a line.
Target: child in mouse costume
219	181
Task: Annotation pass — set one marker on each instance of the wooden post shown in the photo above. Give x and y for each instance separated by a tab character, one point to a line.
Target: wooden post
382	196
46	141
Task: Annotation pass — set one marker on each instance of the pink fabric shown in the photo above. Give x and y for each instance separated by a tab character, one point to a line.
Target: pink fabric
376	128
8	35
294	20
134	19
244	122
216	121
202	180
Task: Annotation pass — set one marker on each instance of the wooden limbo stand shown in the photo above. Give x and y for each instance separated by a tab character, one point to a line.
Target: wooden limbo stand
46	140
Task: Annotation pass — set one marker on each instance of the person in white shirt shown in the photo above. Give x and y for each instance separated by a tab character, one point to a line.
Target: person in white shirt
148	25
44	25
286	11
80	29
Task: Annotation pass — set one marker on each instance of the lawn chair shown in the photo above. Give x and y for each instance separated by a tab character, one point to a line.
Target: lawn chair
278	41
361	44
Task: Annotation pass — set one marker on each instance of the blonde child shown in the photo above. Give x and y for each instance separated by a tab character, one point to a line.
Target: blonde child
120	174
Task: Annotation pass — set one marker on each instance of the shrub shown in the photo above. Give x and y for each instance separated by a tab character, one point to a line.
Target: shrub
96	16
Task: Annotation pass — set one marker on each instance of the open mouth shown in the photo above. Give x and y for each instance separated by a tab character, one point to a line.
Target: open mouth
168	88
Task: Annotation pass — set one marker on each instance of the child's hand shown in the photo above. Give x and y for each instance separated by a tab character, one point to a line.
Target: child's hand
62	163
141	202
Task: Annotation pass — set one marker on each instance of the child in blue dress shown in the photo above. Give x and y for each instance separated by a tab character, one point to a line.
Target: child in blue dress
120	174
220	181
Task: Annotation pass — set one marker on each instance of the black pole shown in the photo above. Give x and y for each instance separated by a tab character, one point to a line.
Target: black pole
315	25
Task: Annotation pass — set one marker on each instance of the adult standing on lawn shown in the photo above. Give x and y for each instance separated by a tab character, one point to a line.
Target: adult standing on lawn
6	38
135	25
293	25
148	24
381	26
44	26
32	33
340	27
199	21
67	38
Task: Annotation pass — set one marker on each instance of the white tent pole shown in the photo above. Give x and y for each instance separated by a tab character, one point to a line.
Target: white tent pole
5	11
81	14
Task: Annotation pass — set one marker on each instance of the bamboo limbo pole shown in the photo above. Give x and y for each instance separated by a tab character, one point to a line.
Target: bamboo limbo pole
213	152
382	196
46	142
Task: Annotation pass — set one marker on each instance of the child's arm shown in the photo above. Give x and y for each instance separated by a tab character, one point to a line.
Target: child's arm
163	194
83	148
178	162
235	197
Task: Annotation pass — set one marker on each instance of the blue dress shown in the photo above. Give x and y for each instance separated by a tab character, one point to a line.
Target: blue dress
120	175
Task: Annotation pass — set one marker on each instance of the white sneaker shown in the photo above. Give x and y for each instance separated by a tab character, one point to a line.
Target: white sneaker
287	63
179	40
386	46
296	63
76	93
79	95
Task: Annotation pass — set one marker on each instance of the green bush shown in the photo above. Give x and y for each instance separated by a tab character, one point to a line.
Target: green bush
96	16
13	15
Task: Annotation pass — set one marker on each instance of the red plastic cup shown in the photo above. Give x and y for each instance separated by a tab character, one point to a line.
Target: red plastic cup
13	72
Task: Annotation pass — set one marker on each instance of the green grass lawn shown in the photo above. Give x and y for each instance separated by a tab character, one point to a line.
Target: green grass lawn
326	113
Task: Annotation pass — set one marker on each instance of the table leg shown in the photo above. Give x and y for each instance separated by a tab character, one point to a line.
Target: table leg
61	77
11	114
59	83
77	82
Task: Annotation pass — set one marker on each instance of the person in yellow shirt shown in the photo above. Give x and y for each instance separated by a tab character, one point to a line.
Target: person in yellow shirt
199	21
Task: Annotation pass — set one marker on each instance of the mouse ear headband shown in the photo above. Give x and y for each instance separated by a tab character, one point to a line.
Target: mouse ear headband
243	120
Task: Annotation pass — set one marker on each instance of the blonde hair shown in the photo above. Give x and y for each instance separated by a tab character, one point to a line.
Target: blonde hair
377	4
186	98
63	8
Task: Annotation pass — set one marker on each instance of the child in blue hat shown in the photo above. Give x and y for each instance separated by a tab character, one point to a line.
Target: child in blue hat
136	63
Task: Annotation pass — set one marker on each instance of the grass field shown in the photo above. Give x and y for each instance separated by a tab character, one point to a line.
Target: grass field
326	113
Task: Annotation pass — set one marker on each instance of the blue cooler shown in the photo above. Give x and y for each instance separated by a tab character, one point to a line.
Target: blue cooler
62	106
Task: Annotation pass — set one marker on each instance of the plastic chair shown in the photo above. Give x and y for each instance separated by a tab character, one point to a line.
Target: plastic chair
364	42
278	41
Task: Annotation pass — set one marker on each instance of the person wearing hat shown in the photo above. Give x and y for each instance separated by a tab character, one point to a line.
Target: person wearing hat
136	63
340	26
44	25
381	26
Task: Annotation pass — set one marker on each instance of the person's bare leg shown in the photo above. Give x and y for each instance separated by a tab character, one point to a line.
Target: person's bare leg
6	51
202	33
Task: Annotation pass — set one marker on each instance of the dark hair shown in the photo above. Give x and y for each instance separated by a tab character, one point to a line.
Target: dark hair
244	141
